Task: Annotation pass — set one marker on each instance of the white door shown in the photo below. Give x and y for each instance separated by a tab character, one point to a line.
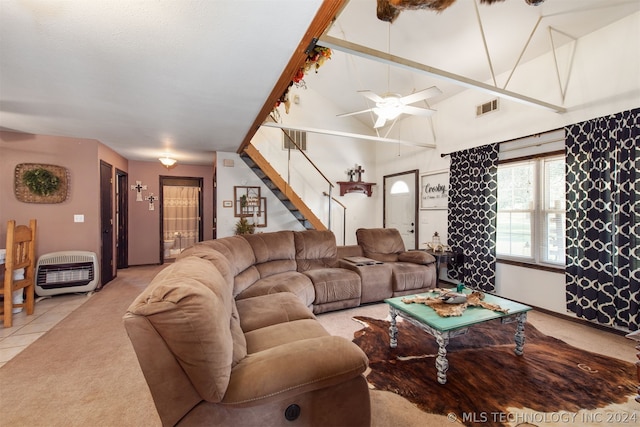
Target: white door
401	206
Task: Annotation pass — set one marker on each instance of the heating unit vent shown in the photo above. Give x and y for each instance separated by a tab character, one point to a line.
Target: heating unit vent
69	271
298	136
487	107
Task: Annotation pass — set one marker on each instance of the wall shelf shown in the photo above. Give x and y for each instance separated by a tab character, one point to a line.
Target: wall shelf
356	187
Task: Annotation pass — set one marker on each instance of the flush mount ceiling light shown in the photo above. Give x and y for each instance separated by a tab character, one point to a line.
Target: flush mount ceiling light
167	161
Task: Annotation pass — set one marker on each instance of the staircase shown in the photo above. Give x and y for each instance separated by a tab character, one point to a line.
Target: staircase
280	188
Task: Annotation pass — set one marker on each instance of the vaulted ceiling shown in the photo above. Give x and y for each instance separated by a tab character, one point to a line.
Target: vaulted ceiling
194	77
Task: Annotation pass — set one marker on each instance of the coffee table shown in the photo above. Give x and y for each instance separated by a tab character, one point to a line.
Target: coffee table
444	328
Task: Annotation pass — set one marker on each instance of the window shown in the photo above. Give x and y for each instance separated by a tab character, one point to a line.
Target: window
531	211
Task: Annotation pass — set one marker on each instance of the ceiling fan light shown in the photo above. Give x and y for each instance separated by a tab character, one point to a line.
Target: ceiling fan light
388	112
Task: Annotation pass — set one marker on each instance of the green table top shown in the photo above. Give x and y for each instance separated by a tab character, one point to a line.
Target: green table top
471	316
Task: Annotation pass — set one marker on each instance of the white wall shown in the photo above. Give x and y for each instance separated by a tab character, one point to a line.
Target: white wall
278	217
604	80
334	156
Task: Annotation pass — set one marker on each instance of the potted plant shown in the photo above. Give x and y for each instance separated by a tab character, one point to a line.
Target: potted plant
244	227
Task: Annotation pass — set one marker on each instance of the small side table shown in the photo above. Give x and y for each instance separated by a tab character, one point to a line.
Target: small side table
445	257
636	337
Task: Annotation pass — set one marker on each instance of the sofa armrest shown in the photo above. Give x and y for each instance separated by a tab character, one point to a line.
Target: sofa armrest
349	250
294	368
416	257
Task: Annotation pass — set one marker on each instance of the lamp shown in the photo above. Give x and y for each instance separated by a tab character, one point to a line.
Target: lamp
167	161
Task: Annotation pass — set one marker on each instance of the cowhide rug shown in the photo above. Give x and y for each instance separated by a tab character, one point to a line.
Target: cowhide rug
487	384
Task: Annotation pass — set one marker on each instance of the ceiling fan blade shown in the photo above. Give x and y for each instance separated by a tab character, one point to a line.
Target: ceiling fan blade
417	111
379	122
419	96
354	112
371	95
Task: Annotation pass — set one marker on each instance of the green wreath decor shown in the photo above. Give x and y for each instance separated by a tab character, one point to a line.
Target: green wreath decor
40	181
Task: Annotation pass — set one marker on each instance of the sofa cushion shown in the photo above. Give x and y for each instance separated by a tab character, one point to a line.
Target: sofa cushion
190	306
283	333
283	373
206	251
237	251
408	276
381	244
266	310
290	281
234	248
274	252
335	284
315	249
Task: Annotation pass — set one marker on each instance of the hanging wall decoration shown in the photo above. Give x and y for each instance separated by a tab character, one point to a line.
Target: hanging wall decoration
138	188
151	198
316	56
434	190
41	183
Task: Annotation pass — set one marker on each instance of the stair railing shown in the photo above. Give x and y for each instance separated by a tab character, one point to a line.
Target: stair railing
330	184
344	216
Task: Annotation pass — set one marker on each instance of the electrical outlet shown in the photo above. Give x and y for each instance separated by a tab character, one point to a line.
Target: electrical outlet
78	218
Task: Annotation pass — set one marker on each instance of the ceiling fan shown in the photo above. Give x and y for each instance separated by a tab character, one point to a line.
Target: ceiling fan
391	105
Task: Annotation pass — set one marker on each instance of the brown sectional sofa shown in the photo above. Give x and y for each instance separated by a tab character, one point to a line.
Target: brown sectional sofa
227	335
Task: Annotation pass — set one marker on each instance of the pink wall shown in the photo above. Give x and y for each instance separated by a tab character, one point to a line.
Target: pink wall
144	225
56	229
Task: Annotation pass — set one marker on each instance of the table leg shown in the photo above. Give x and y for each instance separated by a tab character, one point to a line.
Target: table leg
522	318
393	328
442	364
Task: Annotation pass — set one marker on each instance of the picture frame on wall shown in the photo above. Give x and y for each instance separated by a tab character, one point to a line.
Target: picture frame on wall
262	215
434	190
246	201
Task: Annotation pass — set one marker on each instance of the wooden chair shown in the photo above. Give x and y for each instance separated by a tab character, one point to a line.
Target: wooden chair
21	253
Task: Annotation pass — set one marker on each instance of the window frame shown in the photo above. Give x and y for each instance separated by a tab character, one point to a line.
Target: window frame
539	212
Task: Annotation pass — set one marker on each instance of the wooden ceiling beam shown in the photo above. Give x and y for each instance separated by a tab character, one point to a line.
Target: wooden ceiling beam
397	61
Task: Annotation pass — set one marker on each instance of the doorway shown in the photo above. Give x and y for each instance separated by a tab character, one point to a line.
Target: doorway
106	223
400	206
122	219
180	214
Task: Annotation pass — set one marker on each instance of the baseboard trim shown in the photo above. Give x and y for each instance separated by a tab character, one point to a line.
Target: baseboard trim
562	316
582	321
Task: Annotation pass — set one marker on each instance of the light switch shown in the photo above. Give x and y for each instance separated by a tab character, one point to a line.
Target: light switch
78	218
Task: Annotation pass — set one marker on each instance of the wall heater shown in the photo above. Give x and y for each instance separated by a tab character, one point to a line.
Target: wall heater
67	272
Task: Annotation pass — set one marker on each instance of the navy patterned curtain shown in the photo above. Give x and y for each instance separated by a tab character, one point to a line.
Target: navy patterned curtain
603	219
473	196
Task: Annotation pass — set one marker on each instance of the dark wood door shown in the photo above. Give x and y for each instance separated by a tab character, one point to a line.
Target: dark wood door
122	220
106	222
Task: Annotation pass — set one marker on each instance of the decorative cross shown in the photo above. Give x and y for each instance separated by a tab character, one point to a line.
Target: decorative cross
139	187
151	198
351	173
359	171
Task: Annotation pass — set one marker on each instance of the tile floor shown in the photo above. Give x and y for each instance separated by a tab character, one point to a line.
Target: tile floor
26	329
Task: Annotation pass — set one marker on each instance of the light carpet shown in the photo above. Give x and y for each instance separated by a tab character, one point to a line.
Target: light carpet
84	372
